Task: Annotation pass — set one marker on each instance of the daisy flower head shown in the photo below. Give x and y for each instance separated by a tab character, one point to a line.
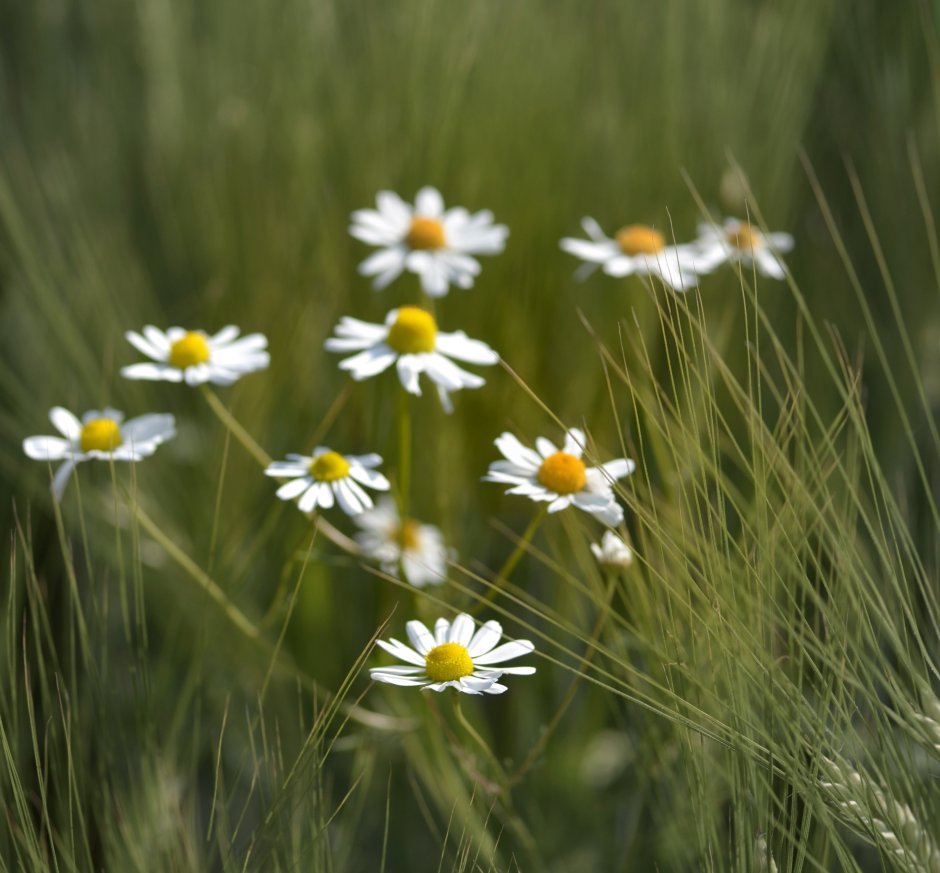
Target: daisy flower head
740	242
99	434
560	476
635	249
612	552
453	657
326	478
195	357
410	340
436	244
417	548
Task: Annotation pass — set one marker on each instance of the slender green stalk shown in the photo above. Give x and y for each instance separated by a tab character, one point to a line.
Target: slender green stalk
539	748
521	547
404	453
474	735
505	784
249	630
232	612
334	535
237	431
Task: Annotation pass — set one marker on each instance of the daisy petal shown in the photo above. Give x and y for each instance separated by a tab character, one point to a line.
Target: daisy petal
390	678
287	468
517	453
65	423
144	346
429	203
461	631
61	478
370	478
496	688
293	489
421	638
47	448
575	442
310	498
618	469
477	684
154	428
505	652
546	447
458	345
409	368
402	652
485	638
369	363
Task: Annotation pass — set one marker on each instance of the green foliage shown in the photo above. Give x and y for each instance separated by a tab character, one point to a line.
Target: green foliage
183	657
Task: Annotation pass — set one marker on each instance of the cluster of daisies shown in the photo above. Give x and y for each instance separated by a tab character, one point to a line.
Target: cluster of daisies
638	249
440	246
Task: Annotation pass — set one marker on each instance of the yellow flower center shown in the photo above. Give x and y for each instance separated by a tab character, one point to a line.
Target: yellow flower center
425	233
414	331
189	350
638	239
448	662
329	467
745	238
100	434
407	534
562	473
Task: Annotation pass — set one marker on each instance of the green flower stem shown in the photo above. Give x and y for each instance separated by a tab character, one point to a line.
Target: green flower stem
539	748
378	721
521	547
264	459
505	785
229	420
232	612
479	741
404	453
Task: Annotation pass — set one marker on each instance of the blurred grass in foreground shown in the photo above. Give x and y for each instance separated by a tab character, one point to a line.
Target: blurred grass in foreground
764	670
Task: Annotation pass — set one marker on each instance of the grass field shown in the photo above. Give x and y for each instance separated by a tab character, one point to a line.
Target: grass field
184	668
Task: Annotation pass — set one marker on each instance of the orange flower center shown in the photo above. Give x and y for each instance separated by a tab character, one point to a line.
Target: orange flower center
425	233
100	434
562	473
189	350
448	662
414	331
407	535
638	239
329	467
745	238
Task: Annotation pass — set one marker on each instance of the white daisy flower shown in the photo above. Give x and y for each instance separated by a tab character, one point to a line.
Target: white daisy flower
436	245
612	552
327	477
453	657
740	242
100	434
636	249
560	476
194	357
410	340
417	548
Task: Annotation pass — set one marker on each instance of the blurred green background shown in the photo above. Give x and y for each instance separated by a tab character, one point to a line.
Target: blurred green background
167	162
